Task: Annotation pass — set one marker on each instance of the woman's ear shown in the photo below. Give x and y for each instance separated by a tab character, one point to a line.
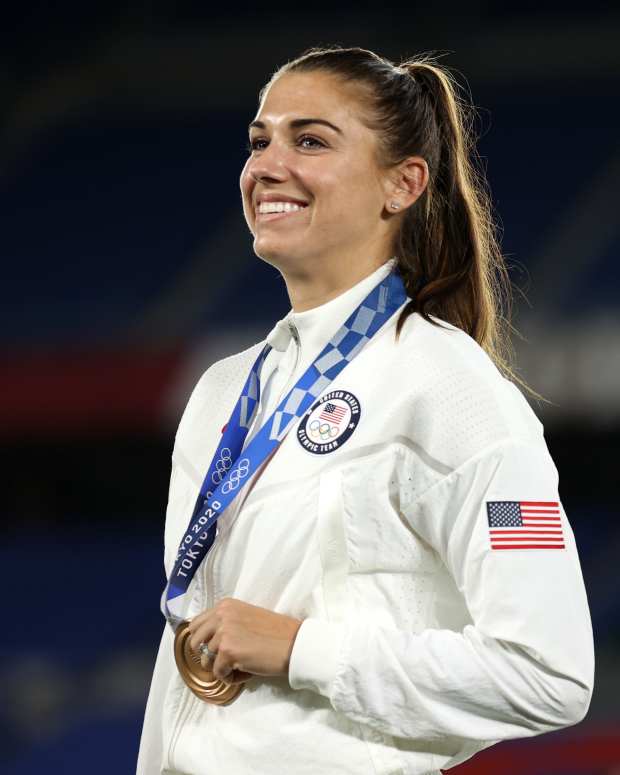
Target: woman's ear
406	183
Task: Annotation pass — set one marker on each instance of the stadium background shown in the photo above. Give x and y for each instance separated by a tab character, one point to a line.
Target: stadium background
127	269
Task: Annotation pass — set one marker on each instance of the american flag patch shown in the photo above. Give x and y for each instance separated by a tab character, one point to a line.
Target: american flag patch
333	413
525	525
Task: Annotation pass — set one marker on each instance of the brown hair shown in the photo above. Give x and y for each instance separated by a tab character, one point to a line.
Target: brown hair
448	253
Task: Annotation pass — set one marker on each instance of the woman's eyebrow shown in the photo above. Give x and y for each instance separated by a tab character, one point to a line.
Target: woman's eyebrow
296	123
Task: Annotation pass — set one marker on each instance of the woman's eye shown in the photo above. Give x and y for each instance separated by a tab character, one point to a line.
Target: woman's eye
254	145
315	143
306	141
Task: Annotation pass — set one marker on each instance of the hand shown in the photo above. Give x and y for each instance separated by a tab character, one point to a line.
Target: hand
249	640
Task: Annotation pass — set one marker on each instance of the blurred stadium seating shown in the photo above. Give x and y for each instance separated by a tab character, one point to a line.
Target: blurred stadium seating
128	269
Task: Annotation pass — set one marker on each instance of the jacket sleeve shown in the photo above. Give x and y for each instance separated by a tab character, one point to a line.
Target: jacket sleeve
523	667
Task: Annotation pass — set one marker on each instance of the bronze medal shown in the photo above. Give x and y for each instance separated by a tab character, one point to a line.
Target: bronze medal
200	680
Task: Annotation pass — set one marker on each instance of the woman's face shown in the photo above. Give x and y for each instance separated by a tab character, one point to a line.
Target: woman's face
312	155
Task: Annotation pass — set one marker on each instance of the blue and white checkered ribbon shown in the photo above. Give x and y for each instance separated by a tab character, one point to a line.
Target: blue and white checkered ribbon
230	469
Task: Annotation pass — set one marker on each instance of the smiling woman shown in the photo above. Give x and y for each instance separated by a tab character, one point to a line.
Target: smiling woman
342	543
309	145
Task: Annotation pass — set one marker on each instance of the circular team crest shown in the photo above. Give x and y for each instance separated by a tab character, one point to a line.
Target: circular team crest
328	424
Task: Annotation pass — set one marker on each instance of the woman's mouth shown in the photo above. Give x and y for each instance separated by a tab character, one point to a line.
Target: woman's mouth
272	211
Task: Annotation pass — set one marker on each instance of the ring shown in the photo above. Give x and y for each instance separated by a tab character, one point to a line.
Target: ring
204	649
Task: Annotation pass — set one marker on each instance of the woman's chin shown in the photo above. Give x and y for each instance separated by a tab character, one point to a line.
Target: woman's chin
274	252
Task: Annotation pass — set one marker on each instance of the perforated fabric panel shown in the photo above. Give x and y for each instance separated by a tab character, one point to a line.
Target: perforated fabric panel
219	388
461	402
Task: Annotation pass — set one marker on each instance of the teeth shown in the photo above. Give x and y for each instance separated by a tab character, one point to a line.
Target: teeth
279	207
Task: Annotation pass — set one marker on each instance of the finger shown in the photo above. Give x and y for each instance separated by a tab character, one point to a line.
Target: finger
220	668
205	660
199	619
226	667
224	663
202	634
238	676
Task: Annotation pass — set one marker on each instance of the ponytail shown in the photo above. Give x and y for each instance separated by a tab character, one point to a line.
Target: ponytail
447	241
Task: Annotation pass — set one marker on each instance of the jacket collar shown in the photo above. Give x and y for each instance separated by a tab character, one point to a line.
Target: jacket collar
316	326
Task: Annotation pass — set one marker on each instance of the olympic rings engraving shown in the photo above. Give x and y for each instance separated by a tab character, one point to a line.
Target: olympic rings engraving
239	473
222	464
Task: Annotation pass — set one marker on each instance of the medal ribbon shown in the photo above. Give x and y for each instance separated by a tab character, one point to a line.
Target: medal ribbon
230	469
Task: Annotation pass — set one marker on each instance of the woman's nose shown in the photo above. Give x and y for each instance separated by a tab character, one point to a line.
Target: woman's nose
269	165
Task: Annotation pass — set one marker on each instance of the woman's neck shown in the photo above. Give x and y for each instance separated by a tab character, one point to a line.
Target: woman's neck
307	291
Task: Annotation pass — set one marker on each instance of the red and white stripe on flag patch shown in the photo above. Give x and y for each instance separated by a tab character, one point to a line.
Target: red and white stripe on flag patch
525	525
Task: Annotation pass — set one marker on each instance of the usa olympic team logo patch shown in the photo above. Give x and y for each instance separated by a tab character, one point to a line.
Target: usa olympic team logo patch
328	424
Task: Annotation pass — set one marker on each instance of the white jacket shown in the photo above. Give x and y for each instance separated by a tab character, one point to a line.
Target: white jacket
420	644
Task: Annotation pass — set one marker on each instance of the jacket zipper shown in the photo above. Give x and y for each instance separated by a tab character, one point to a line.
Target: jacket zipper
295	334
208	576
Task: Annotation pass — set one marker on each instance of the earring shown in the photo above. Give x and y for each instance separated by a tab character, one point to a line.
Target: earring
394	205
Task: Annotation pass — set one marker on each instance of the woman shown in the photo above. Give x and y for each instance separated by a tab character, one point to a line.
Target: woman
356	596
